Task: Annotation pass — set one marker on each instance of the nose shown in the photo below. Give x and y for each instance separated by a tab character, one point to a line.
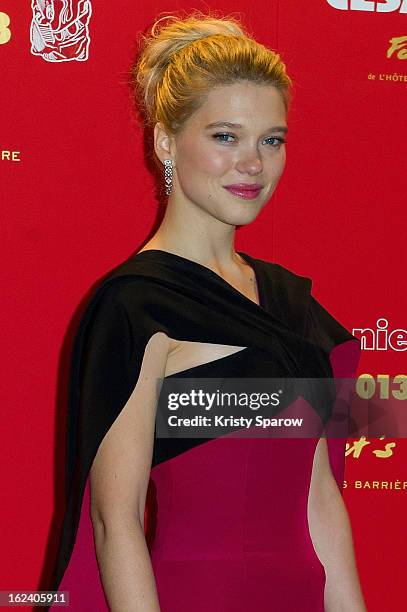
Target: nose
250	162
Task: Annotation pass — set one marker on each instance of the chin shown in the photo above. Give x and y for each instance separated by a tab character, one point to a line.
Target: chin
239	218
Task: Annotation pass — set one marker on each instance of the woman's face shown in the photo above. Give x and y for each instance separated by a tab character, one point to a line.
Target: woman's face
244	149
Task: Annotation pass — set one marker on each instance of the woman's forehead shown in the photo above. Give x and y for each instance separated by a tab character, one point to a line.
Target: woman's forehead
240	106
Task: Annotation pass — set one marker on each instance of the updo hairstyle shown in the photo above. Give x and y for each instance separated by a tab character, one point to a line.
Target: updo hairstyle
181	60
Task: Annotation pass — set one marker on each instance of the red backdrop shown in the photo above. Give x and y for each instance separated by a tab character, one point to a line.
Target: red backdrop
77	199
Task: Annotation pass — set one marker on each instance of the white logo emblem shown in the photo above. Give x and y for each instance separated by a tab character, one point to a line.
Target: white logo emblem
59	29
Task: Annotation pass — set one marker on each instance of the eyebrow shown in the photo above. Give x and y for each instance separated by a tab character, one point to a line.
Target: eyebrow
274	128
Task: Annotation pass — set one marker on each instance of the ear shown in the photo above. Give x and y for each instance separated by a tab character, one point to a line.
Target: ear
163	143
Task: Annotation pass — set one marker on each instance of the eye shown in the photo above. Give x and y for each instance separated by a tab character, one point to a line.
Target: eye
222	136
278	141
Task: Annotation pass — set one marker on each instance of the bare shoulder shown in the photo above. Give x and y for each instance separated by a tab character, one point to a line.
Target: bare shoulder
322	477
156	353
120	471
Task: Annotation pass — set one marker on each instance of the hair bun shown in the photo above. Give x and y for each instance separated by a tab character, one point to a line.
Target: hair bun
196	27
172	75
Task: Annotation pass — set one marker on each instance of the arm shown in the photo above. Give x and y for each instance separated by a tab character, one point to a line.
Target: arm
331	536
119	481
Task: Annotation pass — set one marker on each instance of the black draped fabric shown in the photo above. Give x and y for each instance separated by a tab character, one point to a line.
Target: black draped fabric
290	334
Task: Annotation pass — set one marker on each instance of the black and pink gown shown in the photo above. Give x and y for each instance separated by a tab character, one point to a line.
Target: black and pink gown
226	517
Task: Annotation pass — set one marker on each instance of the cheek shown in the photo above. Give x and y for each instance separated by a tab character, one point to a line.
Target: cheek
277	165
205	160
215	163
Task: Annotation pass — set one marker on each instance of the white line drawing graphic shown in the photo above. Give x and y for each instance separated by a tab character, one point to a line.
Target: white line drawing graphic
59	30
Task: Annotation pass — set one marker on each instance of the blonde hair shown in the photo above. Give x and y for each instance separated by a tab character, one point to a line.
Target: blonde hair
182	59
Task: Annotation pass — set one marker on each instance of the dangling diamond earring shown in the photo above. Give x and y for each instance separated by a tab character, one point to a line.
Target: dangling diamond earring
168	175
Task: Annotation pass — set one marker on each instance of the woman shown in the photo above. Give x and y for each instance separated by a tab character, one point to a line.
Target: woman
235	522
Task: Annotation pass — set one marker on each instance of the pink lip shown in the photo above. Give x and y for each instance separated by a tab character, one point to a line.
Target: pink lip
245	190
